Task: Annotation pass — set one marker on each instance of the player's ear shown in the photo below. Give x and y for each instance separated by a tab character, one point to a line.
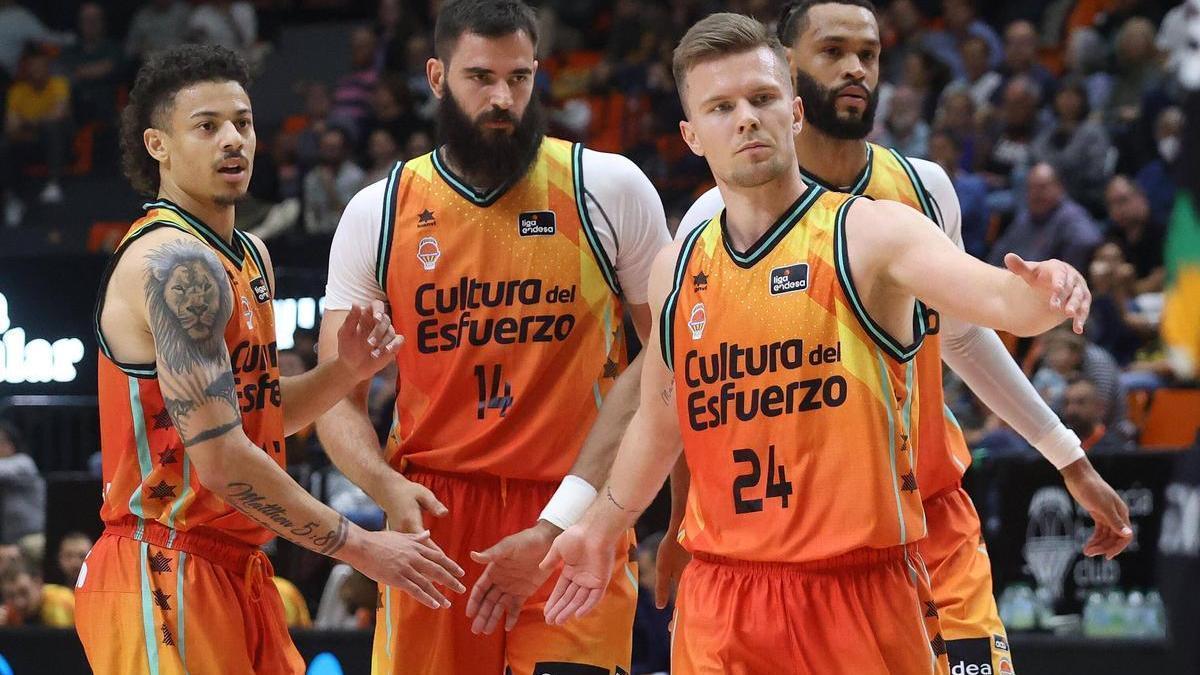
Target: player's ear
435	71
797	115
689	137
155	144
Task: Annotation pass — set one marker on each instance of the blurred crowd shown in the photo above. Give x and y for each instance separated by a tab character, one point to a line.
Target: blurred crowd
1059	123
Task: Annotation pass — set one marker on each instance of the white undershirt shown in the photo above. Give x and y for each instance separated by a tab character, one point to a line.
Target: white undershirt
974	353
624	206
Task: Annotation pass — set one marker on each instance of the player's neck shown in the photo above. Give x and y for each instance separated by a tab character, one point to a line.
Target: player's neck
749	212
455	168
218	217
837	162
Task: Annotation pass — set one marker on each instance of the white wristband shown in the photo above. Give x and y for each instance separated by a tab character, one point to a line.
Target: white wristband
1060	446
573	496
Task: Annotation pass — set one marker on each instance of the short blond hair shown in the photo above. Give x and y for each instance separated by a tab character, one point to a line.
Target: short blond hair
718	35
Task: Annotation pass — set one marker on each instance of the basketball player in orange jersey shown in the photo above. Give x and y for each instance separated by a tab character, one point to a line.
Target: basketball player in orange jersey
193	410
787	325
833	51
508	259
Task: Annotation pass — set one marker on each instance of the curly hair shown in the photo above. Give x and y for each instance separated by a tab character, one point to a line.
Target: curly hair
163	76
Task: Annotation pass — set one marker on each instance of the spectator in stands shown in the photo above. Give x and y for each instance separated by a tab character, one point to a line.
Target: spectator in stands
1138	71
1066	356
38	121
960	24
156	25
418	144
390	111
19	27
1157	179
971	191
1051	225
651	635
94	65
1020	59
1083	413
1115	322
956	116
232	24
1085	60
927	77
978	77
352	95
29	602
317	107
10	556
22	489
382	154
903	128
1006	151
418	50
906	24
295	609
329	186
72	551
394	26
1077	147
1133	229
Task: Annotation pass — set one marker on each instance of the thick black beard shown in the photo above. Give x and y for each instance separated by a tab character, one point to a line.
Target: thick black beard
820	110
490	158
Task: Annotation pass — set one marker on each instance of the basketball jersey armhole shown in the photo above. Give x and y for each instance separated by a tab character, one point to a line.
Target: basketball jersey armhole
255	255
585	219
666	322
387	225
884	340
924	198
138	370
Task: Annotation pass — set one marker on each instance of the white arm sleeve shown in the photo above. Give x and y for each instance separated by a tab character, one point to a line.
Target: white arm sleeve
355	245
704	208
978	356
628	217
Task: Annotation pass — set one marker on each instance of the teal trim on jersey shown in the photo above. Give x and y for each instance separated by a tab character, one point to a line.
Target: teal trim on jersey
888	394
148	629
857	188
631	576
145	465
918	186
774	234
387	623
182	499
233	250
881	337
666	322
482	199
181	611
589	230
909	369
950	416
387	226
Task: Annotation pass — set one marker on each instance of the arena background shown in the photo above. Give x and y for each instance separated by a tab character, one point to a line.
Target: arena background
340	88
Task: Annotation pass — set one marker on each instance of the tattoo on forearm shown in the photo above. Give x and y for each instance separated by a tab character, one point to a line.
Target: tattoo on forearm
611	498
190	302
243	497
668	394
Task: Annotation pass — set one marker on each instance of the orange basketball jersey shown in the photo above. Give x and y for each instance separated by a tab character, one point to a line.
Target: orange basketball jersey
511	315
942	456
147	474
793	404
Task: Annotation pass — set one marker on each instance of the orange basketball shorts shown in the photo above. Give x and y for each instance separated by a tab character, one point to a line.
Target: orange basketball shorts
868	611
411	638
961	576
200	606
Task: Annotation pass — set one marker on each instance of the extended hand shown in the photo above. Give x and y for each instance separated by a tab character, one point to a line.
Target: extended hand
587	563
1067	288
511	576
410	562
366	341
1111	515
404	503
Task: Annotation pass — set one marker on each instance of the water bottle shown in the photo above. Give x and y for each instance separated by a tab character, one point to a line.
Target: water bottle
1135	616
1093	615
1115	606
1024	610
1156	616
1004	605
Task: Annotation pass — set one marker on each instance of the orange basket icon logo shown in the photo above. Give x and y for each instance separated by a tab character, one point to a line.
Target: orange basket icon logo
428	253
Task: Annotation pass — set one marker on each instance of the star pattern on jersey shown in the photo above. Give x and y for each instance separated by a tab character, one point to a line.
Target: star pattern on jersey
425	218
167	456
903	442
700	281
378	599
163	600
610	368
162	491
930	609
159	563
908	482
938	644
167	639
162	420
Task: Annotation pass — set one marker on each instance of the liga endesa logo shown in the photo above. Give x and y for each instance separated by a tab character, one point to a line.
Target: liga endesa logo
789	278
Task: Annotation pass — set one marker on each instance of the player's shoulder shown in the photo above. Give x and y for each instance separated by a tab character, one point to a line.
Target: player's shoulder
370	196
935	178
155	253
609	168
700	212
